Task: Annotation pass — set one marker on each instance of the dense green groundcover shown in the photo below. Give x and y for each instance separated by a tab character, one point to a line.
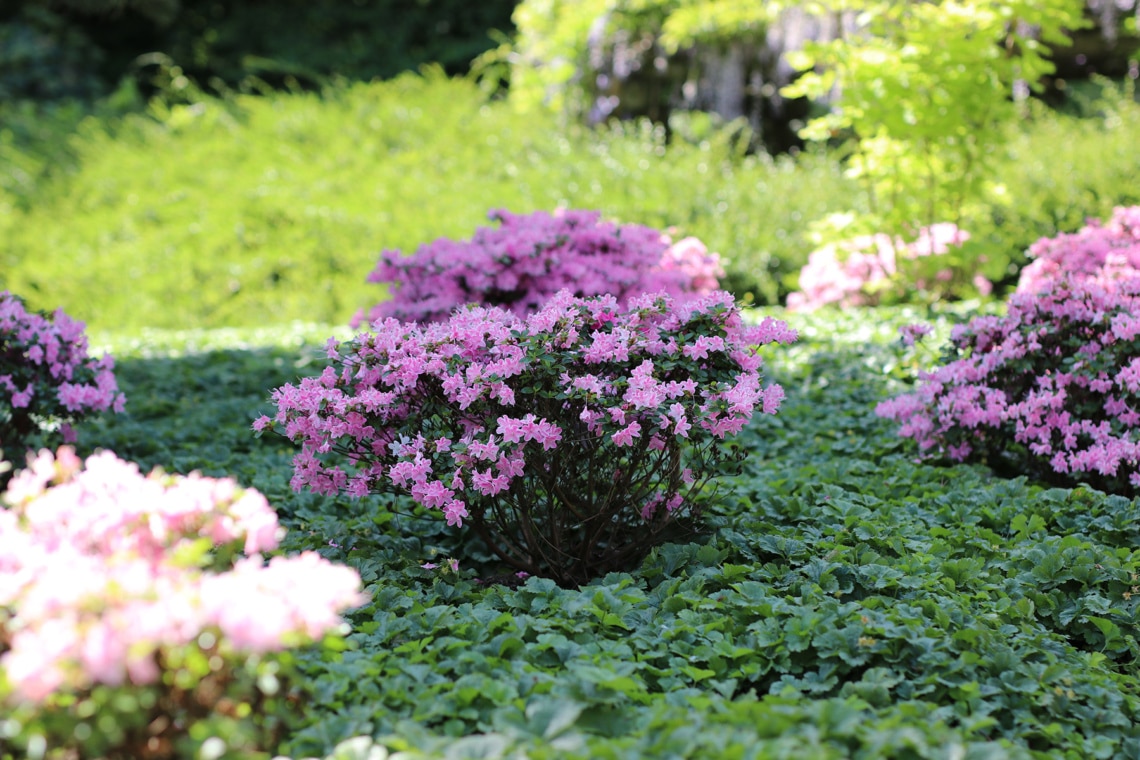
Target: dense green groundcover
845	601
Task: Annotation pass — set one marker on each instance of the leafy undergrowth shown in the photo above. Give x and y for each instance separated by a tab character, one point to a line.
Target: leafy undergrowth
846	601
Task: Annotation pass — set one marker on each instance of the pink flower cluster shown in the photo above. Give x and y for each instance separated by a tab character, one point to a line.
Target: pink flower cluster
1052	387
914	333
1106	253
46	374
467	413
530	257
101	571
858	272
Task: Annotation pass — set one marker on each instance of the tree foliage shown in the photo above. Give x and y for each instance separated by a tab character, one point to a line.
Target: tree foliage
243	44
923	93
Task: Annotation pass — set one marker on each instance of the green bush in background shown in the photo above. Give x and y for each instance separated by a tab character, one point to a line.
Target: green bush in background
256	209
1063	169
923	95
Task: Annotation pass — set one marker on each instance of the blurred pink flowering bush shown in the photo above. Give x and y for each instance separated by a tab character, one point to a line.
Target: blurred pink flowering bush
530	257
46	377
125	621
571	441
873	269
1052	388
914	333
1106	253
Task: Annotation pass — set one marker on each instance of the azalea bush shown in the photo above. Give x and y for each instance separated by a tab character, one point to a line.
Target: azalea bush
872	269
130	624
47	379
530	257
570	441
1106	253
1051	388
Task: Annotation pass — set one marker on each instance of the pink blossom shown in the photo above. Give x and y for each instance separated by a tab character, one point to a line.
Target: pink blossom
725	426
854	272
589	383
511	467
682	426
914	333
530	257
97	578
649	509
1057	374
432	494
514	430
595	378
455	511
488	483
1105	253
625	436
488	450
23	399
546	434
1129	377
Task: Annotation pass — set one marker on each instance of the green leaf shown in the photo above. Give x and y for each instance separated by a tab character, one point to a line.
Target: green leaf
549	718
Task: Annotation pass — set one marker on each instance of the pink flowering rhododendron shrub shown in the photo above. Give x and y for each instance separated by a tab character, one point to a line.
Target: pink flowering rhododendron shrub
1106	253
571	441
873	269
1052	388
47	380
130	624
530	257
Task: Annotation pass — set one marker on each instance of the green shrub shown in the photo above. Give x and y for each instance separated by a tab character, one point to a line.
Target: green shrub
1062	170
270	209
34	145
256	210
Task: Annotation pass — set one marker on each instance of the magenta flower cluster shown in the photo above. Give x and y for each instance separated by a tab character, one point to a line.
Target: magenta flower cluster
46	375
1051	388
868	269
1106	253
582	419
101	576
530	257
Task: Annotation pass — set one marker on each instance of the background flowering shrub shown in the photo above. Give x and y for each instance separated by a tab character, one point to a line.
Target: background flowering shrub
870	269
530	257
571	442
47	380
1105	253
127	626
1052	388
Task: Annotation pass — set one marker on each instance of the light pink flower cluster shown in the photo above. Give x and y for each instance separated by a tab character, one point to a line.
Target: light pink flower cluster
530	257
1053	387
45	373
860	271
101	571
561	408
1106	253
914	333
